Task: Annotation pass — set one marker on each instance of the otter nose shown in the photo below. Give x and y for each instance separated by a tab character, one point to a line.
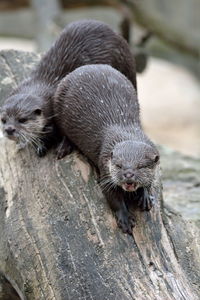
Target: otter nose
10	130
129	175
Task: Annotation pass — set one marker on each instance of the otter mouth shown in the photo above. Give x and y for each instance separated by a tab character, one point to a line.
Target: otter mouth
11	137
130	187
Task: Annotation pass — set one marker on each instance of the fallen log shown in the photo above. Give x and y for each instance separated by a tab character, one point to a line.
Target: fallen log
59	240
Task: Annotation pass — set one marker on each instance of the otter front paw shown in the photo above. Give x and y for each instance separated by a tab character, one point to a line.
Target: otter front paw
125	221
146	201
41	151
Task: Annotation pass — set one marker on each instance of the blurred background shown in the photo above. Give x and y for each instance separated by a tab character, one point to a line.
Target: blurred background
164	35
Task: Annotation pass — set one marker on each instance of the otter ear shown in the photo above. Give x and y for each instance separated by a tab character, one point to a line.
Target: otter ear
156	158
153	157
105	160
37	111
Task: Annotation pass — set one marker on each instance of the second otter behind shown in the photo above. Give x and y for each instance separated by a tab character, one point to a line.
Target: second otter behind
27	115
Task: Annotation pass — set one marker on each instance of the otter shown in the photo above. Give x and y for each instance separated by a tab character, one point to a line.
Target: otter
27	115
96	108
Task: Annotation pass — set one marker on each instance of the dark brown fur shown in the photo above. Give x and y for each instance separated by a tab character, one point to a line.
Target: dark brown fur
80	43
96	108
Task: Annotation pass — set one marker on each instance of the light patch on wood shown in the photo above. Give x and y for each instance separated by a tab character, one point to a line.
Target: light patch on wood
9	205
1	134
63	182
101	242
154	264
7	146
7	80
92	237
110	220
12	147
82	167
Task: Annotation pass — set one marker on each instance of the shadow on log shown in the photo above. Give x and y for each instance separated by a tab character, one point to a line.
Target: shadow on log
7	291
59	240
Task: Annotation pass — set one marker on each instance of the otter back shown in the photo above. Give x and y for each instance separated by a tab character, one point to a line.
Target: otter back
91	99
86	42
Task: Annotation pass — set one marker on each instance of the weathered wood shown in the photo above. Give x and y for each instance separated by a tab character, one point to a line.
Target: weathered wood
59	240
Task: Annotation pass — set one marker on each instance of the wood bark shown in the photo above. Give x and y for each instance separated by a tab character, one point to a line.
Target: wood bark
59	240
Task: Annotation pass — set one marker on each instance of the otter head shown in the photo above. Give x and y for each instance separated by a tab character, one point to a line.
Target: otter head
22	119
132	165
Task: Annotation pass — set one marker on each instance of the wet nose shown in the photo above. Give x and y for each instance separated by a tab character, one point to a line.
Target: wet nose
129	175
10	130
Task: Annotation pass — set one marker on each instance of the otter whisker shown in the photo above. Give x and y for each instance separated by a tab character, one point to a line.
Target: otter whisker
24	138
107	185
108	188
33	140
52	116
104	183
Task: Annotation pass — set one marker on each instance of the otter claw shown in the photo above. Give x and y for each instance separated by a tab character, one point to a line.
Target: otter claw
125	221
146	201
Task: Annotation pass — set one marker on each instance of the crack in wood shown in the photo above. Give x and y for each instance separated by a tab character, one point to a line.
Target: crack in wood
94	221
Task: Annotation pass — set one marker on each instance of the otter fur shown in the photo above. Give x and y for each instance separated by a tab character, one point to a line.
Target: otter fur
97	109
27	115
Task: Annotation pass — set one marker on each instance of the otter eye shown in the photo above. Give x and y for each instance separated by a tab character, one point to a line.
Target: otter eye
156	159
22	120
3	120
37	112
111	154
119	166
141	166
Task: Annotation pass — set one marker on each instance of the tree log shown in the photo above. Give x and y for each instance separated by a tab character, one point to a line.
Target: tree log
59	240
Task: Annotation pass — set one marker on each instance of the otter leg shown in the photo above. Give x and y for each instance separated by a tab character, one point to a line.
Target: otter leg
125	219
41	151
64	148
146	200
47	140
45	144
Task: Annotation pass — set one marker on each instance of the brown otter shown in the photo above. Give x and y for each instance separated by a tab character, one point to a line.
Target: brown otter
96	107
27	114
